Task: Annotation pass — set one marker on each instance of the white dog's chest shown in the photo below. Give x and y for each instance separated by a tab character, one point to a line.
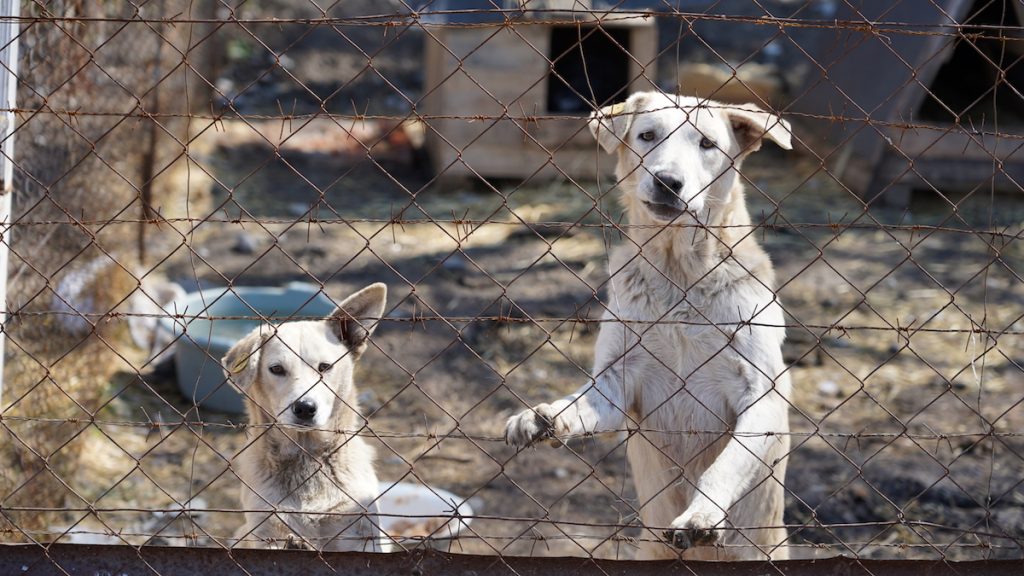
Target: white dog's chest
690	342
316	494
696	357
312	502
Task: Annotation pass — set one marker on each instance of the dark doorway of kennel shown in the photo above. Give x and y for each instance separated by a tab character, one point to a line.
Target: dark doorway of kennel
982	81
590	67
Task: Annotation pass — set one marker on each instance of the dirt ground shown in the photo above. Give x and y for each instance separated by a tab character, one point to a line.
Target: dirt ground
905	345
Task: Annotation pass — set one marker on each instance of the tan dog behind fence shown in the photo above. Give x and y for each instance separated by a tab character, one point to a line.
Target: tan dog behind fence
307	480
692	360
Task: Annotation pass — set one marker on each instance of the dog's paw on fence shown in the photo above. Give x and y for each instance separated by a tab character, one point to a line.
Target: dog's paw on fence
691	530
686	538
293	542
529	426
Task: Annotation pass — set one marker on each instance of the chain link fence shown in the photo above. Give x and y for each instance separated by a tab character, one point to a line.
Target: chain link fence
187	170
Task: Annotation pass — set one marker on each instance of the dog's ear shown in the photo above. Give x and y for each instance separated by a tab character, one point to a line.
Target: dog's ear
356	317
242	359
610	124
751	125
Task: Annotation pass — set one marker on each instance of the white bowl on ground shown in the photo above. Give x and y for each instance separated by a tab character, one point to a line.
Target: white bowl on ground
411	513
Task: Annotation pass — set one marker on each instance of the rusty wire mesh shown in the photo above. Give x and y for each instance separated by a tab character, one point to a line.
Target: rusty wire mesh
441	148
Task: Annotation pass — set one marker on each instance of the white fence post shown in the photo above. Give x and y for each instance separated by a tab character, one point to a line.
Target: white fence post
9	31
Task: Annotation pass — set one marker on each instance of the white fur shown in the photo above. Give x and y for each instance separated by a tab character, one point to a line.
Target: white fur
692	361
308	483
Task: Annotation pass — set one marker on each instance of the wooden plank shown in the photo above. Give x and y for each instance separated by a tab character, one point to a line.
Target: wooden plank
945	176
953	144
643	46
561	132
63	559
432	102
579	163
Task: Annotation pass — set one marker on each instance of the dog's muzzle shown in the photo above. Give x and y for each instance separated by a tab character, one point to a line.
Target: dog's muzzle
665	203
667	187
304	410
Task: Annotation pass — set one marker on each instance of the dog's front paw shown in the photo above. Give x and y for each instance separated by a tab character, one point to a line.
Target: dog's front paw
529	426
693	529
293	542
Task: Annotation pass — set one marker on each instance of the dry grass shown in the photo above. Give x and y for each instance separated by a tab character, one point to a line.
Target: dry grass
74	173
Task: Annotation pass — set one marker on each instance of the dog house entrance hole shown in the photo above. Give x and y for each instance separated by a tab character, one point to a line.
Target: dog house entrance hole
594	71
984	75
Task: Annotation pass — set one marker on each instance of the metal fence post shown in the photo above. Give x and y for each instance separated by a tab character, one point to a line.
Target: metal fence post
9	26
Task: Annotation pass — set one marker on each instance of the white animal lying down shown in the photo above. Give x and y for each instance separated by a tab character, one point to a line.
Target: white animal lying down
304	483
692	361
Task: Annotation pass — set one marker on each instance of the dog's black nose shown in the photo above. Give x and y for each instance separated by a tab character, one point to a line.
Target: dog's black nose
669	183
304	409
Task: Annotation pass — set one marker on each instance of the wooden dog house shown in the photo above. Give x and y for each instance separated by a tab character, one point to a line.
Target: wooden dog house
926	109
511	101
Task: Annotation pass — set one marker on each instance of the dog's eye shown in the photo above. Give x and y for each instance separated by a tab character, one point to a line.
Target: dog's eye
706	143
324	367
647	136
276	369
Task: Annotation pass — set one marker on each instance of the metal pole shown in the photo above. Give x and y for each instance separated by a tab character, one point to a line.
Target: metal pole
9	31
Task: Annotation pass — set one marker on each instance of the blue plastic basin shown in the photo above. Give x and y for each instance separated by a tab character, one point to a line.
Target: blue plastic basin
203	337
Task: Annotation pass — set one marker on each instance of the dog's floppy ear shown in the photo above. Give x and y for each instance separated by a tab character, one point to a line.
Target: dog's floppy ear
241	361
610	124
751	124
356	317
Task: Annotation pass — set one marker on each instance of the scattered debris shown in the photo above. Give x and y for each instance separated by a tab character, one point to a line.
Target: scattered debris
245	243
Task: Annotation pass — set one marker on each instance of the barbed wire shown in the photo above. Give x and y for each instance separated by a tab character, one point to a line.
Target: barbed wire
461	435
426	117
830	330
541	16
184	144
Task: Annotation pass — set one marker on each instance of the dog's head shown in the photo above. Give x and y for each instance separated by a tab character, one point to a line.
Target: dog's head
301	373
676	155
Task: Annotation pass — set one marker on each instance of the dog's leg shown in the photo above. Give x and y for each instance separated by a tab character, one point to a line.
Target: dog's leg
378	541
263	530
255	532
599	406
746	460
348	533
596	407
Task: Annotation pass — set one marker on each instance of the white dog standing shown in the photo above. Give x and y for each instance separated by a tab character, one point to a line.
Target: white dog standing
692	359
307	480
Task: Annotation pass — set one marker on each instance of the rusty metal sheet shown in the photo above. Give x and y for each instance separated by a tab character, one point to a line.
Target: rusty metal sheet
62	559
